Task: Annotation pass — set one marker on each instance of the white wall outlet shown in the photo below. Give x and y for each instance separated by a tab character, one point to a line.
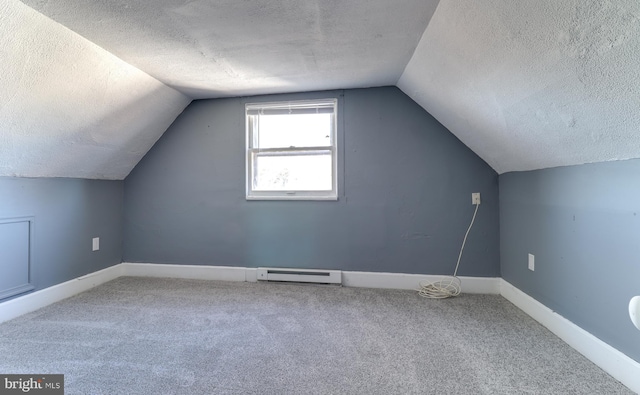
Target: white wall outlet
532	262
475	198
96	244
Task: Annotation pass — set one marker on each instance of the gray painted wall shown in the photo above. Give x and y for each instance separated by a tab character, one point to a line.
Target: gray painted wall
582	223
67	213
404	195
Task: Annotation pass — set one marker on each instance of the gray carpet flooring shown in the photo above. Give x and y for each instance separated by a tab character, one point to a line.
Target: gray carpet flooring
168	336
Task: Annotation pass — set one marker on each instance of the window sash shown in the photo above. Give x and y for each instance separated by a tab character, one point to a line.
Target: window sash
313	185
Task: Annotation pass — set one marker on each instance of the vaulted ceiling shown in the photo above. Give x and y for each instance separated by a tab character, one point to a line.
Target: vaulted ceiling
87	87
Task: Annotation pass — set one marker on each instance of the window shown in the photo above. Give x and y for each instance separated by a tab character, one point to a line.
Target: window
291	150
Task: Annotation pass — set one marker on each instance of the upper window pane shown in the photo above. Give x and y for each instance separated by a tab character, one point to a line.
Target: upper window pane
294	130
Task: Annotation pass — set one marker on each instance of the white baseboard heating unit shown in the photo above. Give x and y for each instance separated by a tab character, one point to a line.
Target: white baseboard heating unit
300	275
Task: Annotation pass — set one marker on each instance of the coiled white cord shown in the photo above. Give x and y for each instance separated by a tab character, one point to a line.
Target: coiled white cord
448	286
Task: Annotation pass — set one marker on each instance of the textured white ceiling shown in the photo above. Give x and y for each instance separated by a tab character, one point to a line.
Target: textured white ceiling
524	84
215	48
69	108
533	84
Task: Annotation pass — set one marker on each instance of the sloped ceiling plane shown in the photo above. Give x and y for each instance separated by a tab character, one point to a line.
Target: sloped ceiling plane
87	87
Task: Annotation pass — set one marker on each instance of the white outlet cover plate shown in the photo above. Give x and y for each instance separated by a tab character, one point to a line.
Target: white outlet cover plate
532	262
475	198
96	243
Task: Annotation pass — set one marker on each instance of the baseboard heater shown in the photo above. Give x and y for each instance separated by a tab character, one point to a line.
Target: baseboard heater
300	275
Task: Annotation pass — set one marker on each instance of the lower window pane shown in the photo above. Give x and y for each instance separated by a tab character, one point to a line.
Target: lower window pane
292	173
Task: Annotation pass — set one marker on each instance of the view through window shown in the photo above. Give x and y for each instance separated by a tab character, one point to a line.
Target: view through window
291	150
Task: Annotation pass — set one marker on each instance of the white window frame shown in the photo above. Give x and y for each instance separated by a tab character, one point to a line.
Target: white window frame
252	151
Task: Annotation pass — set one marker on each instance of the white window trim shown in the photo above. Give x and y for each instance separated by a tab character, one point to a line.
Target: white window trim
291	195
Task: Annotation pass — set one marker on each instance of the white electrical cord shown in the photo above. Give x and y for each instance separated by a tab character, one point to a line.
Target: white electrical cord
449	286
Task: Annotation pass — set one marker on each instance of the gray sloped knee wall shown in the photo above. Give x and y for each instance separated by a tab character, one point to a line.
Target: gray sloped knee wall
582	224
49	224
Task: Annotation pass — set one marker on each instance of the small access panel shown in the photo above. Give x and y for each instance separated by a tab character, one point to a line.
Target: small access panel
15	256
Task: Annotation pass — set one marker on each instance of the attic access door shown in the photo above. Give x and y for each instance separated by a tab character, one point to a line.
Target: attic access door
15	256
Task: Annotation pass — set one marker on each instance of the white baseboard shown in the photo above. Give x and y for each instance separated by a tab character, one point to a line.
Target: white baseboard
193	272
482	285
612	361
474	285
25	304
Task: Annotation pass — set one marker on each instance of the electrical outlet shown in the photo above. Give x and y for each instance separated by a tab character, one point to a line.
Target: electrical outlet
96	243
532	262
475	198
